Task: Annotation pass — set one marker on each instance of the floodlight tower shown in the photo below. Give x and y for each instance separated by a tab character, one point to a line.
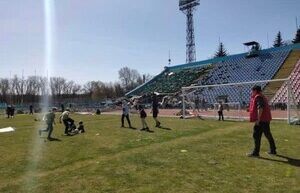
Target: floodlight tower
187	7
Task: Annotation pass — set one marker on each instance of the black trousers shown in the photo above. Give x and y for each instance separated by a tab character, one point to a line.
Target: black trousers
220	113
258	130
128	120
67	123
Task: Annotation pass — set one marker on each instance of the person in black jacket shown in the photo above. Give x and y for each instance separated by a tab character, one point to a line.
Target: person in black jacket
81	127
220	111
12	111
8	110
155	110
31	109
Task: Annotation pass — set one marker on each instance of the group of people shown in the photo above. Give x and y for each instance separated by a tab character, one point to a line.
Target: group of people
142	113
10	111
259	109
69	123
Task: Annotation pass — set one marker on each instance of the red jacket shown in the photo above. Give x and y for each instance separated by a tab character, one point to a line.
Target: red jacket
266	114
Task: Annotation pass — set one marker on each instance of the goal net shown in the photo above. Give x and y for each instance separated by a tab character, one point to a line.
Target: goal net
204	100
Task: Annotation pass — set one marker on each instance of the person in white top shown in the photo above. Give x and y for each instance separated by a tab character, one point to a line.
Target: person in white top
125	113
65	118
220	111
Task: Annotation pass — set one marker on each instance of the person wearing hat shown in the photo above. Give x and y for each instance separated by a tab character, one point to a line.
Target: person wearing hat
260	115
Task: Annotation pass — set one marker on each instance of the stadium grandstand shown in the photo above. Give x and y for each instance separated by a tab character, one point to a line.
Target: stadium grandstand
267	64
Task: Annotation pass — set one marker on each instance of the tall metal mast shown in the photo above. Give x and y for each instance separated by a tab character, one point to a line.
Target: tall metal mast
188	7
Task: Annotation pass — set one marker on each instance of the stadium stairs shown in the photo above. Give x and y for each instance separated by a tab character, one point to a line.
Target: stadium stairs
281	94
284	72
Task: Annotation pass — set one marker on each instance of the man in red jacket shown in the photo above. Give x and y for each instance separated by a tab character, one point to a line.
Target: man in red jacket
260	114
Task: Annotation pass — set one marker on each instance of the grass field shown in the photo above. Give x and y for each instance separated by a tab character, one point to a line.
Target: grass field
112	159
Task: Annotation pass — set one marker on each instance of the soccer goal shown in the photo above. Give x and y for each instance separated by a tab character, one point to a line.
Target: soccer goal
204	100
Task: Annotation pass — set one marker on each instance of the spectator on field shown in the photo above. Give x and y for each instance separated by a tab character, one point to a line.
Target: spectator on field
125	113
220	111
12	111
143	116
155	110
31	109
260	114
8	110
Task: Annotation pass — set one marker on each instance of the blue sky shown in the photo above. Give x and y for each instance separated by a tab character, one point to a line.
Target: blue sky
95	38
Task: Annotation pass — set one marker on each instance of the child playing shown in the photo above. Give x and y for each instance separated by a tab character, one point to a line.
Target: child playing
68	122
80	127
50	120
143	116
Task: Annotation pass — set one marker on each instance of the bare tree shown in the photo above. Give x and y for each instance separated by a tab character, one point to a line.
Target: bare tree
32	86
4	89
147	77
88	88
16	85
42	85
58	85
76	88
118	89
130	78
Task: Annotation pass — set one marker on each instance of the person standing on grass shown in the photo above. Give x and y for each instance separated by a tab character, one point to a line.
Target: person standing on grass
143	116
31	110
125	113
65	118
8	110
12	111
220	111
49	118
260	114
155	109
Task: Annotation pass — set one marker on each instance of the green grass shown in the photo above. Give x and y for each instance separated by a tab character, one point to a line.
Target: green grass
124	160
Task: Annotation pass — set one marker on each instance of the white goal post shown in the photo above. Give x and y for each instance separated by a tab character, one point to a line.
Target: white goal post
280	94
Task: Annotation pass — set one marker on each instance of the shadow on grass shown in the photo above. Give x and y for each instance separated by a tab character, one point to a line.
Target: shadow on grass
200	117
231	121
165	128
291	161
54	139
131	128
